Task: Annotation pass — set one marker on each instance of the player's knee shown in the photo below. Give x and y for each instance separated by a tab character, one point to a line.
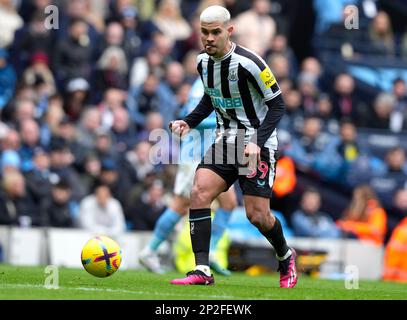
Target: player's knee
200	196
258	218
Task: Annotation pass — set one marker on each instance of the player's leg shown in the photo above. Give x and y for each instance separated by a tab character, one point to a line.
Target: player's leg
257	190
258	212
207	186
170	217
162	230
227	203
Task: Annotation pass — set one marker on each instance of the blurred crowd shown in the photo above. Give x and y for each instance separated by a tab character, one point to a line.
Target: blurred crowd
79	96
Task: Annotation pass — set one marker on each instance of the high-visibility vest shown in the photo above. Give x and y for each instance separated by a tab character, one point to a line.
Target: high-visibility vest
395	255
374	229
286	179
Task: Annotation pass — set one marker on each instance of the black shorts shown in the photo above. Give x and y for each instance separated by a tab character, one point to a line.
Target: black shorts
226	160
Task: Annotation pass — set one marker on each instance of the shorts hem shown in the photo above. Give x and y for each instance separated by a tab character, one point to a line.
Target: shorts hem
252	193
215	170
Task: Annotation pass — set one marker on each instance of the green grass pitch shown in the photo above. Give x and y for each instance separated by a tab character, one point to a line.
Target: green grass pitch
28	283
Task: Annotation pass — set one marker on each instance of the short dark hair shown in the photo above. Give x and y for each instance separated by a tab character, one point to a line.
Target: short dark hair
63	183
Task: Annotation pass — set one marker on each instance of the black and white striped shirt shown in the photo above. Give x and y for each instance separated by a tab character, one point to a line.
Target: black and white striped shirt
242	90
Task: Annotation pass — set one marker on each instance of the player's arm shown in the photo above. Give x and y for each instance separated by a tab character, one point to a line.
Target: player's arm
263	80
202	111
275	112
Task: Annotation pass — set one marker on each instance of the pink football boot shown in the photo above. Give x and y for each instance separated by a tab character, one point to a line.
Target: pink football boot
195	277
288	272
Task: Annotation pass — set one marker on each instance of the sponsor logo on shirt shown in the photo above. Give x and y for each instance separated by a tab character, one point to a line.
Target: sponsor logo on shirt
267	77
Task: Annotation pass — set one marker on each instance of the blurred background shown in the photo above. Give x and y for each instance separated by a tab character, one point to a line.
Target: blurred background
83	84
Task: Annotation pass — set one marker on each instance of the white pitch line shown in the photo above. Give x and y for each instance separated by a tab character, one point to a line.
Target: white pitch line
37	286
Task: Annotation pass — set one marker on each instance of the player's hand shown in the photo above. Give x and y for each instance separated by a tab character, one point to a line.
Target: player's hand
179	127
252	152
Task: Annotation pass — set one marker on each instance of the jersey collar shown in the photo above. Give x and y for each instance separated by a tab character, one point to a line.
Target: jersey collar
227	55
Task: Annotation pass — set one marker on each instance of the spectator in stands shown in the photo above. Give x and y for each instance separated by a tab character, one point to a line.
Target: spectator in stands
279	45
103	144
89	123
189	65
255	28
7	79
11	140
133	45
39	179
113	99
144	99
398	118
16	206
25	109
342	152
10	162
145	211
308	221
72	56
61	160
394	175
398	210
90	173
151	63
193	42
67	130
395	255
324	110
31	38
307	150
154	120
30	139
293	117
311	65
284	185
383	106
344	100
280	66
111	71
50	120
114	175
381	34
308	87
113	37
170	22
139	161
123	131
81	10
168	87
364	218
76	97
10	21
58	208
39	75
101	213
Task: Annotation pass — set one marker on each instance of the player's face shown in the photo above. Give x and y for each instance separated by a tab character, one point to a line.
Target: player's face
215	37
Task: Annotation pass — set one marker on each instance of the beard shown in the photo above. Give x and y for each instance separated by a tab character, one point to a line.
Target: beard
211	51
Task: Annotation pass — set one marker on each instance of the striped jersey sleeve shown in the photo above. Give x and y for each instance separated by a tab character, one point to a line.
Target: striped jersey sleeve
258	73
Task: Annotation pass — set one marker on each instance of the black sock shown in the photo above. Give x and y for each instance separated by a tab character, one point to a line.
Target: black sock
276	238
200	228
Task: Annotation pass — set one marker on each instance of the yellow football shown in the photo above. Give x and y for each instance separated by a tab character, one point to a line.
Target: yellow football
101	256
